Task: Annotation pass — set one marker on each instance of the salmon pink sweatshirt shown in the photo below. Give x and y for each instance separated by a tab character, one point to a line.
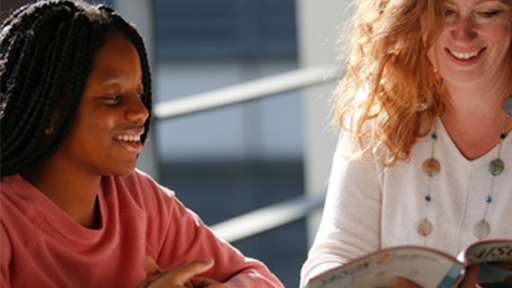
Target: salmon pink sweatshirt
41	246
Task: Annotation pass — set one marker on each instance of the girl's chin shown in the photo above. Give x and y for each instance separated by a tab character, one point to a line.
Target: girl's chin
123	170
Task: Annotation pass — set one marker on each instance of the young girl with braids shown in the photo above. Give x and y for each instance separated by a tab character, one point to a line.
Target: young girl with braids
75	110
425	153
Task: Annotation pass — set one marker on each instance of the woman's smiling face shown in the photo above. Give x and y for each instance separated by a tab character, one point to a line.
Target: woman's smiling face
105	136
475	43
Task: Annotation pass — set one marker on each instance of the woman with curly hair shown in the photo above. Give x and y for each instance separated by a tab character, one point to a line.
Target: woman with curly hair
425	153
75	110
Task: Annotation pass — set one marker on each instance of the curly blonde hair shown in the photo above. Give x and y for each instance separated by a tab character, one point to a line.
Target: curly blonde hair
388	63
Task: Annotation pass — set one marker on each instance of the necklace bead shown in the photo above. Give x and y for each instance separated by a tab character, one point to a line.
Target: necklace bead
431	167
507	105
482	229
496	167
425	227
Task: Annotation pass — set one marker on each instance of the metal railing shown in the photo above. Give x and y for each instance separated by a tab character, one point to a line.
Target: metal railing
276	215
267	218
248	91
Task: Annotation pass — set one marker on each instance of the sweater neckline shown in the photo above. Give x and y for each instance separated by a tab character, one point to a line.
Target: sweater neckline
56	220
454	150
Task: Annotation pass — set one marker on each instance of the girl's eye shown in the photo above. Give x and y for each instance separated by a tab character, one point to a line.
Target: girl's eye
140	95
112	98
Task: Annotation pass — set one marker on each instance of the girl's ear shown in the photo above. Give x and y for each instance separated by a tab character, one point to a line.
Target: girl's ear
49	129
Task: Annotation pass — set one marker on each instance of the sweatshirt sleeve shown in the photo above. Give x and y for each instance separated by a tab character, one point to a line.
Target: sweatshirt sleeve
5	256
350	225
176	236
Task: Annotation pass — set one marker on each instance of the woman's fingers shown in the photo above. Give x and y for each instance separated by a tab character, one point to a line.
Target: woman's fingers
400	282
471	277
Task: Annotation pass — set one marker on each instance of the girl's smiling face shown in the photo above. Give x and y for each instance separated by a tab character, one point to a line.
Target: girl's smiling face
105	136
475	42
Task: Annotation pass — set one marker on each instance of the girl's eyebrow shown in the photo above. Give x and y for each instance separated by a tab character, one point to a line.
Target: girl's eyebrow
116	79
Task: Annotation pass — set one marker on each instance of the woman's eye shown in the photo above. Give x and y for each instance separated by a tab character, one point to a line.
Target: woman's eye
449	12
490	14
140	95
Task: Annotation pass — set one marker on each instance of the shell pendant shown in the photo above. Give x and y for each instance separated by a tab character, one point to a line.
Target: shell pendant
482	229
425	227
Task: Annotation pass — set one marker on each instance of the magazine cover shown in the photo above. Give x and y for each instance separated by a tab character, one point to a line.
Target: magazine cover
428	268
495	259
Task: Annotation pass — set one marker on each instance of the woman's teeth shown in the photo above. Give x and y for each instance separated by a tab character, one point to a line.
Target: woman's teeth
464	56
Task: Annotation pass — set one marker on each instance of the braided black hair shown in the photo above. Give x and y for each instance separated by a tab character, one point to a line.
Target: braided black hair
47	50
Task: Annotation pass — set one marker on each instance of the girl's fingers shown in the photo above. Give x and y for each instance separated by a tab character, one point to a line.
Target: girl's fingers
150	265
184	273
205	282
181	276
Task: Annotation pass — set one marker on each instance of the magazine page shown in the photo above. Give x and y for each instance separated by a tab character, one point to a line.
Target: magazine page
495	259
427	268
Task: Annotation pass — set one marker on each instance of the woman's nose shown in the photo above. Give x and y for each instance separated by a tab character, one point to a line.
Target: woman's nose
463	30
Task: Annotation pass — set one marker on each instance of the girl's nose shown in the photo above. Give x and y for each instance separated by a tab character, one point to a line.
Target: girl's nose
137	111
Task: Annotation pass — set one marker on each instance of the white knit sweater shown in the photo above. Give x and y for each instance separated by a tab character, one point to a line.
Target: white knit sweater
369	207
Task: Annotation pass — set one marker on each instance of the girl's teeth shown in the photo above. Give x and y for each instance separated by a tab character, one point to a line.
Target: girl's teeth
128	138
464	56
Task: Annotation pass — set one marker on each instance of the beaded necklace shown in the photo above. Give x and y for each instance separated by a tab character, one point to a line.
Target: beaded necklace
431	167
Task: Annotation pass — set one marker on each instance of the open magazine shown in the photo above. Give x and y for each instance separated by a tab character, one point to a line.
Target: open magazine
429	268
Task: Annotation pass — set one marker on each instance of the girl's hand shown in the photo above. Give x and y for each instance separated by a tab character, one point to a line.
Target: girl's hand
202	282
469	281
181	277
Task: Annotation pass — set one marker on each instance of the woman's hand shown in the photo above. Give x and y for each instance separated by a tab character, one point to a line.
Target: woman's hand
469	281
181	277
404	283
471	277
